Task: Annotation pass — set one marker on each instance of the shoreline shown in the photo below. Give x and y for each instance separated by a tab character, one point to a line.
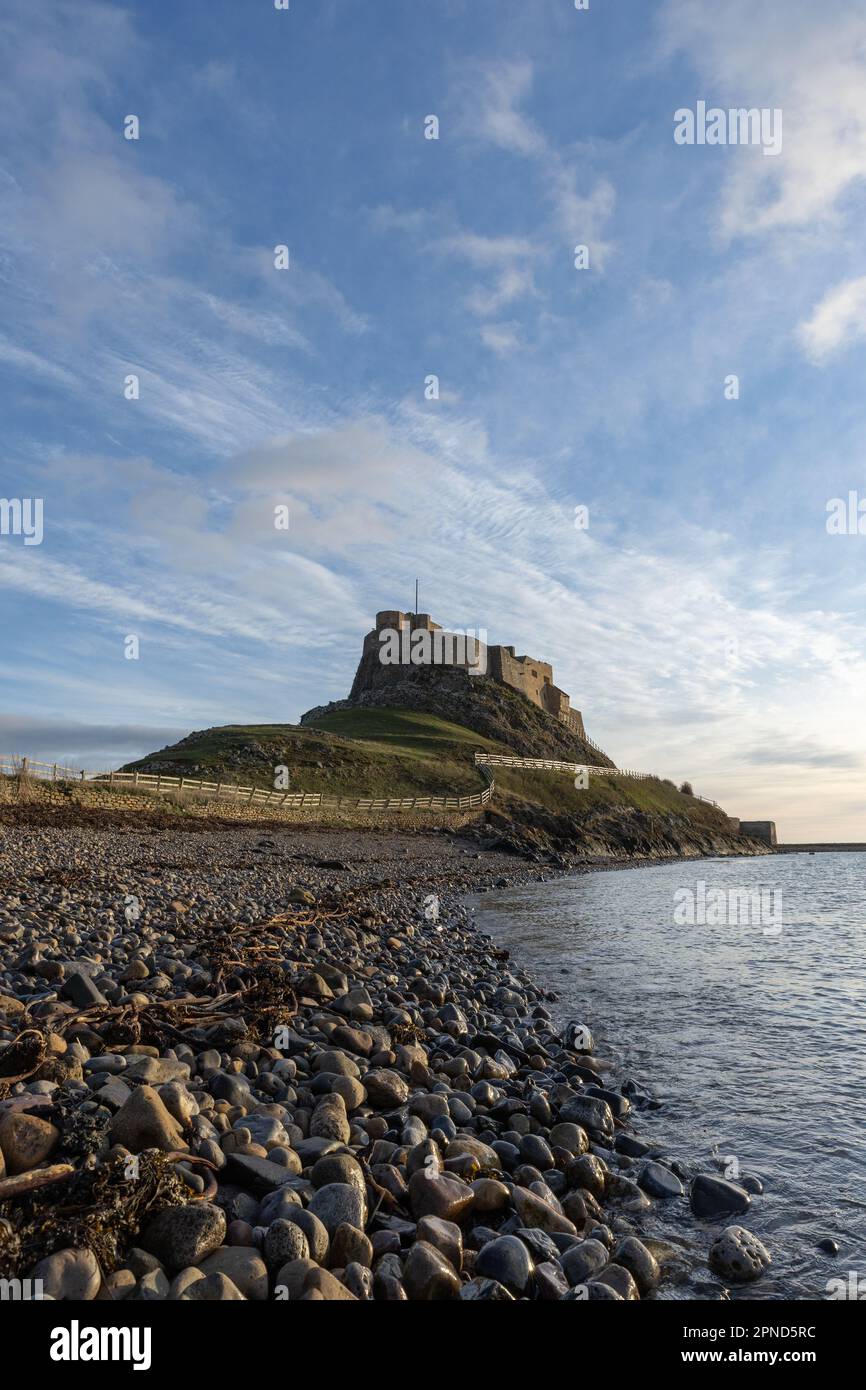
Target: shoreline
311	1076
623	971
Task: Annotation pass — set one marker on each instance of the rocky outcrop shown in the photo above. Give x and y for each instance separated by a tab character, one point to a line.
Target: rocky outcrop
621	833
492	710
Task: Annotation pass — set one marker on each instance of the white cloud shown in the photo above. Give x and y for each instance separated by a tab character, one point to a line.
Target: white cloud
501	338
650	671
838	319
807	60
493	96
23	360
490	97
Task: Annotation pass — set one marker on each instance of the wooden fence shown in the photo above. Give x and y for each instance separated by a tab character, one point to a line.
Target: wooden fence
591	743
552	765
44	772
297	801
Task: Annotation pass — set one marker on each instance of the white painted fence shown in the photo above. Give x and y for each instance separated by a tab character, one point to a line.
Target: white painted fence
552	765
295	801
11	766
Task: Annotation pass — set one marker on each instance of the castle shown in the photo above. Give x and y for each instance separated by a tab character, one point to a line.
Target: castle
532	678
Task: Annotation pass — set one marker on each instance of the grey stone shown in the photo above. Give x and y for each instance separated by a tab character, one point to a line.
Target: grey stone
156	1071
233	1088
68	1275
144	1123
508	1261
592	1114
153	1287
350	1246
338	1202
711	1197
290	1280
618	1278
285	1242
386	1090
80	989
427	1275
316	1234
737	1256
183	1236
584	1261
258	1174
243	1266
659	1181
641	1264
213	1288
485	1291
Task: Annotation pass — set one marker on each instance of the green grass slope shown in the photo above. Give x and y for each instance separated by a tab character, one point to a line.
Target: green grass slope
556	792
373	752
405	752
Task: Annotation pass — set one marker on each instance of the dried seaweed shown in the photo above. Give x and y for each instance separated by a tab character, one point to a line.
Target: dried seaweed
98	1208
82	1132
21	1058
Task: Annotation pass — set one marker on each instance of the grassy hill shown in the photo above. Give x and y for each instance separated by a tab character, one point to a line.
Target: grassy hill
494	711
347	753
557	793
381	751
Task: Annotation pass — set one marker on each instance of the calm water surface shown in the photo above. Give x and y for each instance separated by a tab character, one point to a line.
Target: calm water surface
754	1042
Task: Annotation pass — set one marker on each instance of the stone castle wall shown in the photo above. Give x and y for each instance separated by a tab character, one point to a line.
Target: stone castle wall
759	830
532	678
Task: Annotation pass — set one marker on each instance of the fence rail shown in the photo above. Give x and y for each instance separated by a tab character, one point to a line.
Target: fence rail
553	765
591	743
295	801
258	796
12	766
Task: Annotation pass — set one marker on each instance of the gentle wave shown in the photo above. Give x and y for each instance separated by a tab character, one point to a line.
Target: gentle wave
752	1041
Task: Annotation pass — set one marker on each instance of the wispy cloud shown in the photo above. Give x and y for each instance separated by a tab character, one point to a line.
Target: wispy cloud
809	62
491	97
839	319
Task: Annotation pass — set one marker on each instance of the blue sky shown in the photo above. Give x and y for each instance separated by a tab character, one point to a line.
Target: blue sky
705	623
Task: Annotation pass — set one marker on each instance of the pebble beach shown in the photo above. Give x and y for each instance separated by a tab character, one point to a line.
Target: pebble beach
271	1064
